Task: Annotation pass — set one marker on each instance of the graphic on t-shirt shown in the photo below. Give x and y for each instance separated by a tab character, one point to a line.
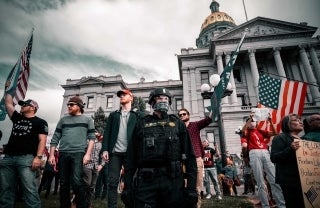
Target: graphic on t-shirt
207	159
21	128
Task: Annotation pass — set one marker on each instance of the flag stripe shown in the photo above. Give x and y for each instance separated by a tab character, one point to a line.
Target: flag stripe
288	99
18	78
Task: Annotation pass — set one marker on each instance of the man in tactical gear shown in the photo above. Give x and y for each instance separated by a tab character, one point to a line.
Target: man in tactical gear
159	156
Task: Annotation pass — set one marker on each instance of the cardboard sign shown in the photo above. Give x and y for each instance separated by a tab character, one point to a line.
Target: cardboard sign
308	159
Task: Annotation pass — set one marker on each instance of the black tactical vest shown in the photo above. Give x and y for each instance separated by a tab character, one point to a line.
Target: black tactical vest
160	143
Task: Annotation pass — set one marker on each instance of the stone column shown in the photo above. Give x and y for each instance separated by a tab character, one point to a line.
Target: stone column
254	71
278	60
310	77
185	82
234	99
315	64
193	90
219	63
220	70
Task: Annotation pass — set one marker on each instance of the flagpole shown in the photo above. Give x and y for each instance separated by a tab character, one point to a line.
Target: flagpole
245	11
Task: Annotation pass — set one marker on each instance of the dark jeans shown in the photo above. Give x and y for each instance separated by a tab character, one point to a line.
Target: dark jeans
115	164
71	174
101	189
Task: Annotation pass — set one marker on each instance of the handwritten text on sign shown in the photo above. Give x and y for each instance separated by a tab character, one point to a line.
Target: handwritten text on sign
308	158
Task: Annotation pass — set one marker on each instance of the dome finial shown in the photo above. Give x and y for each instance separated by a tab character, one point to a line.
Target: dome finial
214	6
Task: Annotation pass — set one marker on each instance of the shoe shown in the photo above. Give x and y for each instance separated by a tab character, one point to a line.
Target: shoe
208	196
244	193
219	197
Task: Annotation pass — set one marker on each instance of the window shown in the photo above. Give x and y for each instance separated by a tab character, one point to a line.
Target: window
178	104
90	102
237	75
241	100
204	77
109	101
210	137
206	104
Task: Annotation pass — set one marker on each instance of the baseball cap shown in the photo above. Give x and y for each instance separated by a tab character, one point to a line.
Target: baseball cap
124	91
29	102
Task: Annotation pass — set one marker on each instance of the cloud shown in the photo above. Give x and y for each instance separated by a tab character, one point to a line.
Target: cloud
134	38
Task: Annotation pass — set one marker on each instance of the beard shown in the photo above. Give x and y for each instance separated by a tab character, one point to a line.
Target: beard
186	119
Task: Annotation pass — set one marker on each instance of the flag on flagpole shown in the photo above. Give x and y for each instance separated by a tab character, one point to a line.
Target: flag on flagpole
18	78
224	80
282	96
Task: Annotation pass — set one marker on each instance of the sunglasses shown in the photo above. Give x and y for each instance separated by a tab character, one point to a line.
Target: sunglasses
25	105
71	104
182	114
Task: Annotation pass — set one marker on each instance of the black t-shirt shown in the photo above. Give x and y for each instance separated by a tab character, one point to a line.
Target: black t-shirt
24	138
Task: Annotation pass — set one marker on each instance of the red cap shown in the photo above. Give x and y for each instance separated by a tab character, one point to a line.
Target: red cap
124	91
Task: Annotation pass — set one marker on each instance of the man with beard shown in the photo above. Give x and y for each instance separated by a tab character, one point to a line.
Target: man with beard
72	134
194	129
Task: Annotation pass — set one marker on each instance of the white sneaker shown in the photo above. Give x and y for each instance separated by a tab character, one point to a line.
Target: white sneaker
219	197
208	196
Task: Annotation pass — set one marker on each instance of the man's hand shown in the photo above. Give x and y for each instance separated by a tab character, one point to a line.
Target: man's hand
105	156
52	160
86	159
36	163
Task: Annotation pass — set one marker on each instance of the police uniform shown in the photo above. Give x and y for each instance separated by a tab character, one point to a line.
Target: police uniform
160	150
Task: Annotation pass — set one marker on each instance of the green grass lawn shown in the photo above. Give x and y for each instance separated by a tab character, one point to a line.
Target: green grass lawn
227	202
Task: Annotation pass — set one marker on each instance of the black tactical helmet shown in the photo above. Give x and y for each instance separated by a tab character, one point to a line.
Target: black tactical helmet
156	92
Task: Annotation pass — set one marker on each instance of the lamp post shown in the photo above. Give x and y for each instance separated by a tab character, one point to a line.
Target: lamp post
208	92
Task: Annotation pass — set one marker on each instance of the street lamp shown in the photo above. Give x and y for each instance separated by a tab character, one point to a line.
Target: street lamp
208	92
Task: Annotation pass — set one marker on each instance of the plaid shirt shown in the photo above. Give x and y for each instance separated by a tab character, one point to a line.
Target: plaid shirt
194	132
95	156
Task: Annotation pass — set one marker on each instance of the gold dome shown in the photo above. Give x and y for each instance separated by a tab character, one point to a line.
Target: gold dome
216	17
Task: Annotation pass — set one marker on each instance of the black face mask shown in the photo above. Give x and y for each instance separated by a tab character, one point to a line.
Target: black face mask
161	106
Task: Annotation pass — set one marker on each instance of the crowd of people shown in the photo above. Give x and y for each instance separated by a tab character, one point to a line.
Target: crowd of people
160	159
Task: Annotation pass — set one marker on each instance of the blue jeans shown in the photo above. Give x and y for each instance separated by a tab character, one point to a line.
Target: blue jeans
12	169
260	163
211	173
71	174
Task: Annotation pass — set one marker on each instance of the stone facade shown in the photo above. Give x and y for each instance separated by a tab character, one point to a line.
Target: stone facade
279	48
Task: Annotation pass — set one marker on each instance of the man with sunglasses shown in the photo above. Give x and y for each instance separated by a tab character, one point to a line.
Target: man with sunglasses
23	153
194	129
72	134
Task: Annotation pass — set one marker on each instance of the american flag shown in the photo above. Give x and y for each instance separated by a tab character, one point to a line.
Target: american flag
283	96
311	194
18	78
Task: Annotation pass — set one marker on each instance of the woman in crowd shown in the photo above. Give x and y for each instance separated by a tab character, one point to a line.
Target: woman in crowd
283	154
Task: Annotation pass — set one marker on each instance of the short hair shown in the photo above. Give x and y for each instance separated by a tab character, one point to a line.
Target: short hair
184	109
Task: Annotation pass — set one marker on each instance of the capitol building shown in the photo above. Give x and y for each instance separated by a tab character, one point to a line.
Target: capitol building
279	48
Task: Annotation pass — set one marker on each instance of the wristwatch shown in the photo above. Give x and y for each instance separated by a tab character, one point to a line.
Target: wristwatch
39	157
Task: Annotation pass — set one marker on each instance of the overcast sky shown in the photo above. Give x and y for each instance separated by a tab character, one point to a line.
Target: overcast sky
134	38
